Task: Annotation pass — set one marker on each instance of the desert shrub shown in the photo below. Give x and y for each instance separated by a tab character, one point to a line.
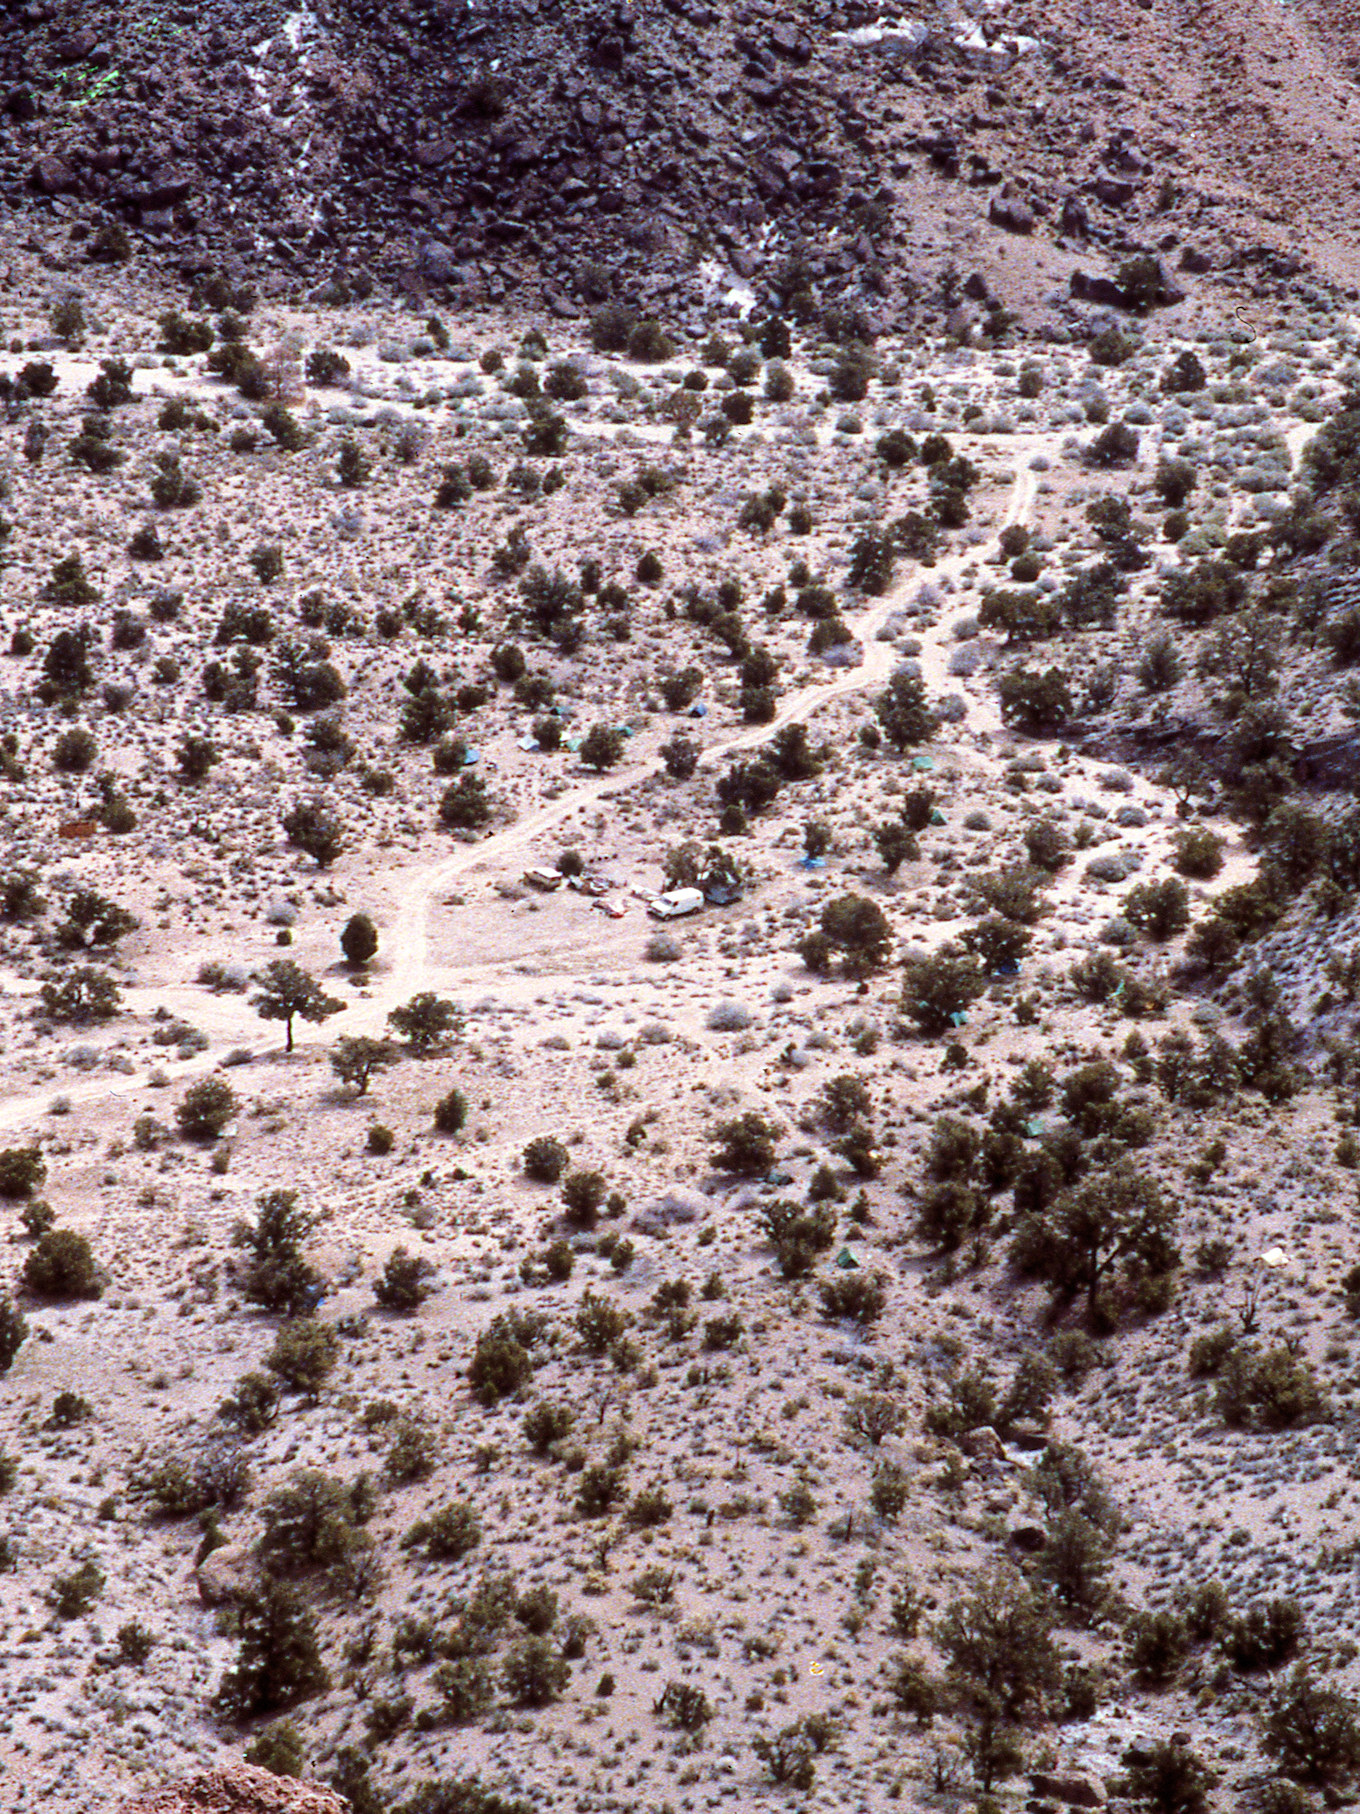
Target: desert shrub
1198	853
500	1363
62	1265
206	1109
745	1143
937	988
1115	445
1311	1731
1160	909
1267	1389
275	1275
181	1487
413	1453
600	1322
1209	1351
534	1673
601	1488
405	1283
74	751
546	1423
304	1355
425	1022
1036	701
1267	1634
13	1333
314	1520
1168	1777
22	1170
252	1406
545	1159
464	805
859	1296
75	1593
1075	1563
583	1194
359	940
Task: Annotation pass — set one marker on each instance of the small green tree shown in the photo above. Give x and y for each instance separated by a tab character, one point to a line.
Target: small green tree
603	747
359	940
62	1265
534	1673
82	994
1116	1217
288	991
280	1749
902	710
1001	1666
279	1658
275	1275
22	1170
464	805
545	1159
425	1022
13	1332
859	930
356	1059
1311	1731
314	828
940	986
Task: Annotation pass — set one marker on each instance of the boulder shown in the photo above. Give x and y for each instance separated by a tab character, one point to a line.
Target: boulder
1114	191
225	1574
1010	212
52	176
1074	217
1096	289
982	1444
166	185
237	1789
1026	1535
1074	1790
437	264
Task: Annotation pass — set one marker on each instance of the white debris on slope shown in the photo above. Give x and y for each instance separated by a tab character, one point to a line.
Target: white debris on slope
987	47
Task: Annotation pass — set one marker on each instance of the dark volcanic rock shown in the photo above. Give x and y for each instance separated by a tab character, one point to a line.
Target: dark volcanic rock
1010	212
53	176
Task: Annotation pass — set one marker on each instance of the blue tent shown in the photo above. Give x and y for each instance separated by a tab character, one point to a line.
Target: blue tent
697	711
470	756
924	763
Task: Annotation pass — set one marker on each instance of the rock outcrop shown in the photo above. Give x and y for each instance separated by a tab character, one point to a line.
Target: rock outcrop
239	1789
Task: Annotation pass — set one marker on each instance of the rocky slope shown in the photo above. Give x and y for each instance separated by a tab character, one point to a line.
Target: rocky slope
662	148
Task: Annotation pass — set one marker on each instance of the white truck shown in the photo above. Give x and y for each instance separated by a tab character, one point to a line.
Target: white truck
677	903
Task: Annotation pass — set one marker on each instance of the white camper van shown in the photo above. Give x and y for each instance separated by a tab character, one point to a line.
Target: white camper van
676	904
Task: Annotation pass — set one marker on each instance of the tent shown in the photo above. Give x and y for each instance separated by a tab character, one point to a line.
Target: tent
846	1260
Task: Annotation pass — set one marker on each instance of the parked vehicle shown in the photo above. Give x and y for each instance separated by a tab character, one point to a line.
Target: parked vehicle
549	880
676	904
615	909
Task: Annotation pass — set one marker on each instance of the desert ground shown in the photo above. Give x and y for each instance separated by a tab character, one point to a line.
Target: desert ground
778	1462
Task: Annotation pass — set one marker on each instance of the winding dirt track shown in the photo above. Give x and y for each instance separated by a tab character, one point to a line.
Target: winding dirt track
230	1019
